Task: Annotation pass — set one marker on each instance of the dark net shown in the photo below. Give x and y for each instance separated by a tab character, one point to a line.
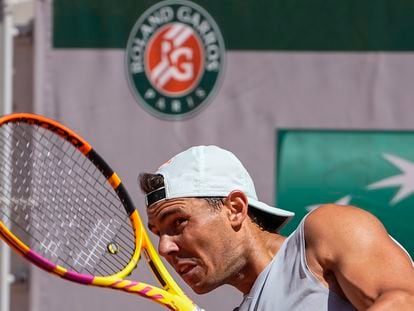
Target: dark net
55	200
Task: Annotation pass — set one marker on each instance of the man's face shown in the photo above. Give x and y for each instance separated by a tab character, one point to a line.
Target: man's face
196	240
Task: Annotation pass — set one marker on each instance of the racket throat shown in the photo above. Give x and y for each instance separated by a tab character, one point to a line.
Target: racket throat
154	269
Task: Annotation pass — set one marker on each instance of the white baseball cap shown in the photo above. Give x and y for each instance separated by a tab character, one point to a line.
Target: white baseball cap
208	171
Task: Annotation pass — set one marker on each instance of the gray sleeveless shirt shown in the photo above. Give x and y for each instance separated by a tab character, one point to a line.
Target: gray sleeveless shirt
287	283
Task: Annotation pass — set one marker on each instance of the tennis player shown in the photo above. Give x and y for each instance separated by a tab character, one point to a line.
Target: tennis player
213	230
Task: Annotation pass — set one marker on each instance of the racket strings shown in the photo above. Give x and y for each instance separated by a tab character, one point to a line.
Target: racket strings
59	204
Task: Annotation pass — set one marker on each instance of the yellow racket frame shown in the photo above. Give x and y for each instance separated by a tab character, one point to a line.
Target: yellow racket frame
170	295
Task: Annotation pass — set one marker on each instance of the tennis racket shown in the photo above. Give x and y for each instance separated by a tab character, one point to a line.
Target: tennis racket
65	210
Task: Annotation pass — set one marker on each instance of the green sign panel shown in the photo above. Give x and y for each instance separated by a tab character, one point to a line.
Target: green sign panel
301	25
373	170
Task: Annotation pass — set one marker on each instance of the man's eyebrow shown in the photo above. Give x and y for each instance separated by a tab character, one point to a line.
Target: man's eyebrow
163	215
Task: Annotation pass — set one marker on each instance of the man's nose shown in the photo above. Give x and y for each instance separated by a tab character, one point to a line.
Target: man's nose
167	245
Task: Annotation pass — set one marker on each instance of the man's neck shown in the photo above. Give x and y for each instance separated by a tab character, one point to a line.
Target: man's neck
260	250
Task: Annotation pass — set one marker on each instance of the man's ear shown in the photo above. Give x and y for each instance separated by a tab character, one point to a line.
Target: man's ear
237	205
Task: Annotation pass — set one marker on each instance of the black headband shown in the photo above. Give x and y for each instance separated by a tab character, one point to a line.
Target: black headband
155	196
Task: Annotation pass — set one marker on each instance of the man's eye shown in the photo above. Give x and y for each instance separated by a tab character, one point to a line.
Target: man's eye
180	222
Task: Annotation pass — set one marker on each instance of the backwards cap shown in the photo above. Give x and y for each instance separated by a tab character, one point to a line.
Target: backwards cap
208	171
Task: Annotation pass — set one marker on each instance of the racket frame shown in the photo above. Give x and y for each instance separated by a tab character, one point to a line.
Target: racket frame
170	296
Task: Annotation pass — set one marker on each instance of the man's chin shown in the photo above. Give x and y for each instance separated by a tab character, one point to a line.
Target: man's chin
198	280
202	288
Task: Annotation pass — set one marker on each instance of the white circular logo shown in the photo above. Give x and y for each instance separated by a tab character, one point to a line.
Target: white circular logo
175	59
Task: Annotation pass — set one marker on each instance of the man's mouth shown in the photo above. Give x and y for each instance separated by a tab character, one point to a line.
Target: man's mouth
185	268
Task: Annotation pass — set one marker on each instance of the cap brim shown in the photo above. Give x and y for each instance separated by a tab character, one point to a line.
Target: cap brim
271	209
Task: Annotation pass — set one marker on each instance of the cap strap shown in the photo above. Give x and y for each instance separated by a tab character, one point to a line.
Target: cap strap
155	196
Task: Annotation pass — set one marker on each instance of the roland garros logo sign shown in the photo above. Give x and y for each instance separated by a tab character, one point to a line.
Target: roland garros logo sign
175	57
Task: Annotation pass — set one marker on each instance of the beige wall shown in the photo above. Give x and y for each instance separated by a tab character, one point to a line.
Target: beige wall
87	91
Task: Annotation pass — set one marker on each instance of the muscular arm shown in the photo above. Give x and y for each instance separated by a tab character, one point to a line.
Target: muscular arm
352	245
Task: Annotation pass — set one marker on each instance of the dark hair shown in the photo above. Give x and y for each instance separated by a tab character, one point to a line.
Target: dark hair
150	182
266	221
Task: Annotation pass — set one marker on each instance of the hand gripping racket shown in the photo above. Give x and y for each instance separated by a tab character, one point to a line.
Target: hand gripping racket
65	210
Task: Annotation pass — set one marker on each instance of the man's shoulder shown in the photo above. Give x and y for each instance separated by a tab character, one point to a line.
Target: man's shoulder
333	215
333	229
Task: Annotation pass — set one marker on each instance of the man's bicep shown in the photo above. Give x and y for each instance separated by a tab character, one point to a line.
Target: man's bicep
367	263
